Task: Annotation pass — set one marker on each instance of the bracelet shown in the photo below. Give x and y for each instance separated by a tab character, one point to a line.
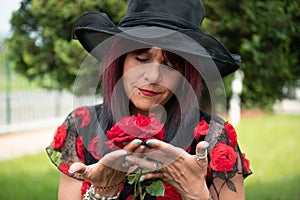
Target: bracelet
92	195
107	188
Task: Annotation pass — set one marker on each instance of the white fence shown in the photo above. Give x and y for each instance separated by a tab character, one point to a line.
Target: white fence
36	108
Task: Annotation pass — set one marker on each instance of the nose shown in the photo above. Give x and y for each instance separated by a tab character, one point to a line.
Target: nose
153	73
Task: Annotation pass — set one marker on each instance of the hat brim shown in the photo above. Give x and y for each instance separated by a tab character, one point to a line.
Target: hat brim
92	28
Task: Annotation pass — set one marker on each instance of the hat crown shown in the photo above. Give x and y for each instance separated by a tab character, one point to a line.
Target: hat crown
189	12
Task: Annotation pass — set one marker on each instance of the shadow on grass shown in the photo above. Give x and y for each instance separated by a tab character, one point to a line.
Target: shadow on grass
287	188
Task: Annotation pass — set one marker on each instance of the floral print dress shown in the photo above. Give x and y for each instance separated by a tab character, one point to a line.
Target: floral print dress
80	138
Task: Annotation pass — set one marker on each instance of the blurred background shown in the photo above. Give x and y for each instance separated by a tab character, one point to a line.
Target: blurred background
39	62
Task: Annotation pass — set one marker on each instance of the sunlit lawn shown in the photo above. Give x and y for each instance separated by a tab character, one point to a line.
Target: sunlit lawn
271	142
28	178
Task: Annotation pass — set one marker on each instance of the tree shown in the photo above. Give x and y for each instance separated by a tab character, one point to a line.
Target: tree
266	34
41	46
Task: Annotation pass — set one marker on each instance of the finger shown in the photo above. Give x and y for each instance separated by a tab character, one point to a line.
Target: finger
201	150
78	167
114	158
162	151
139	151
131	146
151	176
164	147
140	162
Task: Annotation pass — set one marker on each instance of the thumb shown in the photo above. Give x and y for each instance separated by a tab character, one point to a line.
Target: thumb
201	148
78	167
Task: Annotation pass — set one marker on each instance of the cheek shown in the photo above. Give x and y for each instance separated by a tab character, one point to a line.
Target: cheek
172	80
126	79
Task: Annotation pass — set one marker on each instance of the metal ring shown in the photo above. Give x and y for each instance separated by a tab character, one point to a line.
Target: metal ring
156	166
162	169
202	155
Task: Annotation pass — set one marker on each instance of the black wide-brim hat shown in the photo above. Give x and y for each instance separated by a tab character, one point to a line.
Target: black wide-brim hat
169	24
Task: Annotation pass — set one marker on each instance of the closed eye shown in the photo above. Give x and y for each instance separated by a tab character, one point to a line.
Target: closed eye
142	59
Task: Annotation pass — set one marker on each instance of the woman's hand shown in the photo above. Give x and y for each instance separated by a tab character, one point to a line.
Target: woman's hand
109	172
178	168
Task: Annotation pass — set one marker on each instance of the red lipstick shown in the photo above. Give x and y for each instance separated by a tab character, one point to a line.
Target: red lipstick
148	93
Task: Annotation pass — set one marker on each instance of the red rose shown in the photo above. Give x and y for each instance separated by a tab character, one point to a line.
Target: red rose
85	186
223	158
201	129
59	137
131	127
142	126
170	193
246	163
84	114
231	134
94	147
64	167
80	148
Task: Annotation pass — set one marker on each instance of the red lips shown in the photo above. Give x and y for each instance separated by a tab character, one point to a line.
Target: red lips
148	93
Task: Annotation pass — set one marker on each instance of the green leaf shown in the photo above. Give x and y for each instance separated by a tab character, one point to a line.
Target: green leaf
156	188
145	171
132	178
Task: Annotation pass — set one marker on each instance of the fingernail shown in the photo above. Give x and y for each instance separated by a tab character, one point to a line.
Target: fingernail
71	172
142	147
141	179
138	141
124	154
205	144
149	143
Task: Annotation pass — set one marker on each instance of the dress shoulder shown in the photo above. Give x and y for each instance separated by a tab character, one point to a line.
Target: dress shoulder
71	138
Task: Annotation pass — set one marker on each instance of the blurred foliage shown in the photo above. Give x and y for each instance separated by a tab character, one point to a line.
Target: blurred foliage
264	32
266	35
41	46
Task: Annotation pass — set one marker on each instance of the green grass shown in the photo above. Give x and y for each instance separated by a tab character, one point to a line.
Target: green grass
271	142
30	177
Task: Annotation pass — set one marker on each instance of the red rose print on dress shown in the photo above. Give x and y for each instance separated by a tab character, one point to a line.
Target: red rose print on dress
94	148
85	186
64	167
84	114
246	163
132	127
223	158
59	137
80	148
201	129
231	134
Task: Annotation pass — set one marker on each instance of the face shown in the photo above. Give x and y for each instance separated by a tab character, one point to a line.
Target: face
149	79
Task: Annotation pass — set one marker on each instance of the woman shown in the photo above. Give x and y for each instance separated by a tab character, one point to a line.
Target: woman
149	130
